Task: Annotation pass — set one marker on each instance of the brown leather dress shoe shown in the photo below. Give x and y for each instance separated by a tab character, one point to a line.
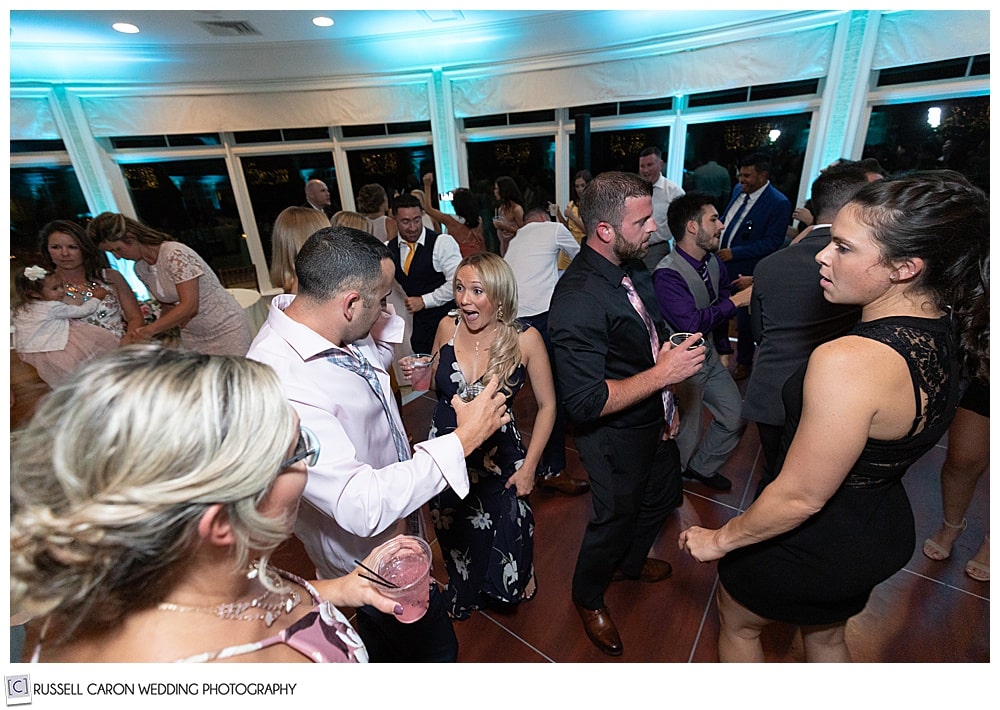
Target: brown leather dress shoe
653	570
601	629
562	483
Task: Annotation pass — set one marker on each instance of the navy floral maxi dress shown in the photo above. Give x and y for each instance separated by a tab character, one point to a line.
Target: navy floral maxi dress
486	539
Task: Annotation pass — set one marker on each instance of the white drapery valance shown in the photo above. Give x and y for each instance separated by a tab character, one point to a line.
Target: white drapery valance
918	36
32	119
180	113
763	60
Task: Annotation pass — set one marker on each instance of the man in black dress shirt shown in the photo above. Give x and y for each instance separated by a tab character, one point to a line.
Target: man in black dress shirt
617	395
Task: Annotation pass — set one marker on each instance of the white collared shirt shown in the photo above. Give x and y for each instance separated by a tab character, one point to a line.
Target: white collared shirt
730	232
358	494
445	259
664	192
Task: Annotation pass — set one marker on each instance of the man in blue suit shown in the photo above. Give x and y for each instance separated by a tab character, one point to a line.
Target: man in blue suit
756	219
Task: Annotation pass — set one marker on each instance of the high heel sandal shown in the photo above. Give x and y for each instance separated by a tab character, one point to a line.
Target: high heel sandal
978	570
935	550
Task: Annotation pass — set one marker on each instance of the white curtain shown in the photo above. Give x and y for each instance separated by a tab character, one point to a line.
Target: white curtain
141	115
803	54
32	119
918	36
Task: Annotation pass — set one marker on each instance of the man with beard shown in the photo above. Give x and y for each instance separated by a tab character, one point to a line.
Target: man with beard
694	293
615	370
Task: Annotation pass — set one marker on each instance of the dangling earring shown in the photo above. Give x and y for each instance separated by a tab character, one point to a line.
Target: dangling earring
500	312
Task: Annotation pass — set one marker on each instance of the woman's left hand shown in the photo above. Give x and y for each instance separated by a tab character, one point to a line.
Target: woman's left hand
701	543
136	335
523	479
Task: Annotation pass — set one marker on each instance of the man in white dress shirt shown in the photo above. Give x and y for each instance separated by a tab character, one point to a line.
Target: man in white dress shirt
425	264
664	192
331	346
533	256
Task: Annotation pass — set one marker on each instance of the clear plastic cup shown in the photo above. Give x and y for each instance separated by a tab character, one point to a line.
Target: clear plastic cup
419	365
406	562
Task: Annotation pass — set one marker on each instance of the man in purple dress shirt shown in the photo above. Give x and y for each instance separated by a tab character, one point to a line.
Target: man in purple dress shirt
695	295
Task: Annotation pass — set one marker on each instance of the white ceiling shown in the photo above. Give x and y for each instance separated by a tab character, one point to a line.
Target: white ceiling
175	47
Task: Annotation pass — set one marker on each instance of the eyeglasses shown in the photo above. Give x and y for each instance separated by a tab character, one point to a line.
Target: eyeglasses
307	448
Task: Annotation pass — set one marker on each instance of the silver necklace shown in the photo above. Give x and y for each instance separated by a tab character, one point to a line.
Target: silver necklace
266	606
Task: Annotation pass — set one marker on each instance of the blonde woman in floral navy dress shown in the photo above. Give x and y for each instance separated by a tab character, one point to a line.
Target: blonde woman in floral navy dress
486	538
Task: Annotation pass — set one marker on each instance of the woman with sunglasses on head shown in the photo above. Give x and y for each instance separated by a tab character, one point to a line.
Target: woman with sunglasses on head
148	493
913	252
190	294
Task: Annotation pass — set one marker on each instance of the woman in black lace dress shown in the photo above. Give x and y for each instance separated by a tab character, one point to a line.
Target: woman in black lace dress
914	253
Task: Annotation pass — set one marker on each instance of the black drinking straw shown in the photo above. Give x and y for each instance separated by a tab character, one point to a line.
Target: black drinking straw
381	580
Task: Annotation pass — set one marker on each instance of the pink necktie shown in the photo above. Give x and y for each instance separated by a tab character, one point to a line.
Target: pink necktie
654	343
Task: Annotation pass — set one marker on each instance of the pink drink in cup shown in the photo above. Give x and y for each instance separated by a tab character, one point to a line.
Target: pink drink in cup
420	376
406	562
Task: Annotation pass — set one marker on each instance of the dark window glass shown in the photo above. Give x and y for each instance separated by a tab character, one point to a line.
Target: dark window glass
273	136
619	150
532	117
980	65
647	105
901	138
609	109
38	196
530	162
716	98
38	146
789	88
930	71
120	142
783	138
371	129
395	169
192	200
409	127
497	119
306	134
279	181
190	139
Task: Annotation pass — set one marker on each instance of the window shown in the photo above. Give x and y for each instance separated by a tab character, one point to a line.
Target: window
530	162
619	150
275	182
902	137
783	138
191	200
39	195
978	65
395	169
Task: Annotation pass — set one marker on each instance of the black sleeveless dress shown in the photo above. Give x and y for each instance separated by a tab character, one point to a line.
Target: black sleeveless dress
823	571
486	538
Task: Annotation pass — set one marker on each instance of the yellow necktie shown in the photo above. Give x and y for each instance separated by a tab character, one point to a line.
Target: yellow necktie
409	258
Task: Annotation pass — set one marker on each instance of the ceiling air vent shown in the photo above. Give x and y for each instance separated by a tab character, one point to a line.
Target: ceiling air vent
230	29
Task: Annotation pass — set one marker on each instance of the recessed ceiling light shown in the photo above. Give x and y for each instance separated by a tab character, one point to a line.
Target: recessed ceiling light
125	28
323	21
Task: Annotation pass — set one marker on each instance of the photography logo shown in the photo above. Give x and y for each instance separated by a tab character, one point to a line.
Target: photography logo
18	689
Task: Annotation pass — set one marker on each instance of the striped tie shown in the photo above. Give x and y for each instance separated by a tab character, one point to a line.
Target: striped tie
654	343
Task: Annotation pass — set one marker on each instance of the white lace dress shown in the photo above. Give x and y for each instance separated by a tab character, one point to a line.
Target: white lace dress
220	326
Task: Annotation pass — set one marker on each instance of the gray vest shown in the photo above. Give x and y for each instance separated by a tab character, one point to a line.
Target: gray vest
676	262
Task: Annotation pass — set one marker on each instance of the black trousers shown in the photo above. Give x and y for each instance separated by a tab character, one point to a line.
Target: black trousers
635	482
430	639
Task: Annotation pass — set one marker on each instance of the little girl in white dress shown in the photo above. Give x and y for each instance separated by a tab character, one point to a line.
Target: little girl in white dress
49	333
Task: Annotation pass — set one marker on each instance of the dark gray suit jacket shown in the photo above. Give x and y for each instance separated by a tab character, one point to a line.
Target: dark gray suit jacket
789	317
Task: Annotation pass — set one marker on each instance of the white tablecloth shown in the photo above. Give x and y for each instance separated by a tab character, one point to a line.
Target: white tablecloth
254	307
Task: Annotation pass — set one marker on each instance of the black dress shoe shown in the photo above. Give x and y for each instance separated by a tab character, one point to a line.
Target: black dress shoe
562	483
716	480
653	571
601	629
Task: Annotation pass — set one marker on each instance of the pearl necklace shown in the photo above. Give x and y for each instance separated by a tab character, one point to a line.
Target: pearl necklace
266	606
